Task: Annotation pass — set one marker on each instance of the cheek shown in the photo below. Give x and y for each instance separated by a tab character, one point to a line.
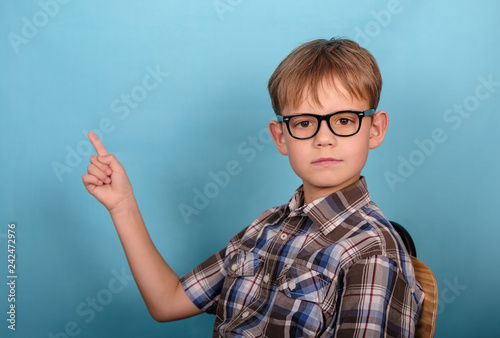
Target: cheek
297	148
363	157
297	155
356	150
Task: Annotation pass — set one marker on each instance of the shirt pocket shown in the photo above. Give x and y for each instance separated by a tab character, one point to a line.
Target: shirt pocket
300	282
244	263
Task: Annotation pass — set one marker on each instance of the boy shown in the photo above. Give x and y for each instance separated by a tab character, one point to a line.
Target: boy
326	264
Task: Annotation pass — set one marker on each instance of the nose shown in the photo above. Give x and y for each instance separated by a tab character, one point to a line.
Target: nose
325	137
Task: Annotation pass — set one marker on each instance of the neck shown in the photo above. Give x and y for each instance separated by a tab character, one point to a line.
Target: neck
312	193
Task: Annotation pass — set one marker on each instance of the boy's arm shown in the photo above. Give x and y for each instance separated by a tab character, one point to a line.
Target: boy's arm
376	301
159	285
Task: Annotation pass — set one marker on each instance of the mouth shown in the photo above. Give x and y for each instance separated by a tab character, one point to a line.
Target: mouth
325	161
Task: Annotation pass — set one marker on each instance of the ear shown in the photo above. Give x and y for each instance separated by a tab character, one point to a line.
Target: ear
378	128
277	133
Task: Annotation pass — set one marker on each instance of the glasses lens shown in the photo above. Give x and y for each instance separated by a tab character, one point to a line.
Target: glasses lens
303	126
345	124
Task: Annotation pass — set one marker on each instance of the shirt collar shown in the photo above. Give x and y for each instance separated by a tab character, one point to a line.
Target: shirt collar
330	211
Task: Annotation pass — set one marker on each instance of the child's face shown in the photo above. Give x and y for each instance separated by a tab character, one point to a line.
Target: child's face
327	163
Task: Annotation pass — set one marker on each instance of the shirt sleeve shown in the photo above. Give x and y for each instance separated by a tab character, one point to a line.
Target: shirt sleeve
203	284
376	301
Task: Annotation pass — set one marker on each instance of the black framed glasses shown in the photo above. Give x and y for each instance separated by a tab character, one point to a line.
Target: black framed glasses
342	123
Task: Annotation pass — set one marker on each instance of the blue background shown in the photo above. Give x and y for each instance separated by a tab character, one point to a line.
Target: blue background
68	67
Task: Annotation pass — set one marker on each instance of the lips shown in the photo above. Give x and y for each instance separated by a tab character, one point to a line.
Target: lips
325	161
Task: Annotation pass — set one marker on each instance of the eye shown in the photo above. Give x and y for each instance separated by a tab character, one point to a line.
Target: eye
302	122
344	121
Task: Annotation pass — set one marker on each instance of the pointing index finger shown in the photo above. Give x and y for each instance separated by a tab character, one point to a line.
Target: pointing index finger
99	147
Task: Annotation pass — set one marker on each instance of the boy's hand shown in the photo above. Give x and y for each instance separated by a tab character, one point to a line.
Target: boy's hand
106	178
159	285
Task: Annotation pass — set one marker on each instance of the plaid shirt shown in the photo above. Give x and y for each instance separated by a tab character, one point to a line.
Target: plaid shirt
332	268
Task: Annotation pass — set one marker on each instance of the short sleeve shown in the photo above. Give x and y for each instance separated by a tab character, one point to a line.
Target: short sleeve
203	284
376	301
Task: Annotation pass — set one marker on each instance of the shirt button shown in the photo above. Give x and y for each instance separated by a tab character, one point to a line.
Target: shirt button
245	314
283	236
292	285
266	278
234	267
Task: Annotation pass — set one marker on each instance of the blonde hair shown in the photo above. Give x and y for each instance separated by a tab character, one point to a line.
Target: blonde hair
306	67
